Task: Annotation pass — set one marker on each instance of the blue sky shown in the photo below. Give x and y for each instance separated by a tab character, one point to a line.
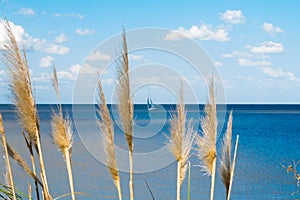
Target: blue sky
254	44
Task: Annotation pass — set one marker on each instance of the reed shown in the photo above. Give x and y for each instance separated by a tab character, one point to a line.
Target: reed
18	158
62	134
29	145
226	165
20	86
181	142
125	107
7	161
107	130
206	143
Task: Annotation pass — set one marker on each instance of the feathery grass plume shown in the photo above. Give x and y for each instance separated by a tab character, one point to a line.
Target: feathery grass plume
20	86
207	141
225	163
125	107
8	166
106	127
181	141
17	157
62	134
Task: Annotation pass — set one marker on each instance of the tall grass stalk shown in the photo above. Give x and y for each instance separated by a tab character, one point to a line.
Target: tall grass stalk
125	107
189	181
181	142
62	134
207	141
107	130
17	157
29	145
233	166
225	163
8	166
20	86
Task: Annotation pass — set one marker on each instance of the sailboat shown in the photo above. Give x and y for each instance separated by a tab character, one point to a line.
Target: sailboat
150	104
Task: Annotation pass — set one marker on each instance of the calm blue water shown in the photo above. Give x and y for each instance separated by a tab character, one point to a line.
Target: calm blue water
269	138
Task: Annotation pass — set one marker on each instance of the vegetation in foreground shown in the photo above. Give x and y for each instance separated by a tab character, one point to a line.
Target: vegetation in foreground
182	138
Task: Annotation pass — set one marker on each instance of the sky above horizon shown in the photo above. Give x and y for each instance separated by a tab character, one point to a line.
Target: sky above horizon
253	44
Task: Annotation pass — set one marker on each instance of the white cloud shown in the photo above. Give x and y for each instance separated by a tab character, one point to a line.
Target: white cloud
65	75
47	61
76	15
135	57
98	56
233	17
271	29
108	81
26	11
218	63
236	53
249	62
31	43
246	78
2	72
204	32
85	31
279	74
41	77
71	73
57	49
61	39
267	47
88	69
75	68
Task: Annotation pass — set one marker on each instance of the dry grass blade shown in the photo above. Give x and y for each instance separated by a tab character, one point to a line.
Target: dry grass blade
225	164
62	134
125	102
8	166
187	145
20	86
178	129
54	81
126	107
17	157
61	128
106	127
207	141
181	141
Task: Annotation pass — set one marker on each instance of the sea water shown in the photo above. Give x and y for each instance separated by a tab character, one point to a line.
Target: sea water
268	141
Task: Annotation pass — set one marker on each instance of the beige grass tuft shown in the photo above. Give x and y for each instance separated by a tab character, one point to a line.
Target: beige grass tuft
107	130
62	134
181	141
225	164
20	86
126	107
207	141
